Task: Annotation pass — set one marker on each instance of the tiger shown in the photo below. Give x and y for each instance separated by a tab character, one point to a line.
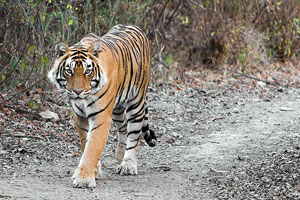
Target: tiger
105	80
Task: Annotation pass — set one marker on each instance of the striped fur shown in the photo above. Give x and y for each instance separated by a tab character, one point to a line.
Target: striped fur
106	79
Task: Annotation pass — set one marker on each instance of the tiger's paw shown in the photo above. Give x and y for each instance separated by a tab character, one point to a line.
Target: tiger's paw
127	167
83	181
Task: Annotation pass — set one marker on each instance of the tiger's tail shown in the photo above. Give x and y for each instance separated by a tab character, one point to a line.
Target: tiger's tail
148	134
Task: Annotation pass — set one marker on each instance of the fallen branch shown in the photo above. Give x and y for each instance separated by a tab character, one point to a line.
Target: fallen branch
23	136
19	110
258	79
24	90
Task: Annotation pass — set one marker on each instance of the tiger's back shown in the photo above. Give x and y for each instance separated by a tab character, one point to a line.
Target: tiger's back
106	79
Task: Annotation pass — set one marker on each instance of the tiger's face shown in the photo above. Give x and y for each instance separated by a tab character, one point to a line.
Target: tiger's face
77	71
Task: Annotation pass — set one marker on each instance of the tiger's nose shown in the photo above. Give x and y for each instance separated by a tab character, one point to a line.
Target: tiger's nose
78	92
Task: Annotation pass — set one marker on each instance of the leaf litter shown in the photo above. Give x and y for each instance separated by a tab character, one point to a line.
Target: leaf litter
214	142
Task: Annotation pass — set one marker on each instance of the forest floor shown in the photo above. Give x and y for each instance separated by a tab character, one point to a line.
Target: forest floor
218	138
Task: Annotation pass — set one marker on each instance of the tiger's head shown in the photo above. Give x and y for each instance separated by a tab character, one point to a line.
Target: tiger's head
77	70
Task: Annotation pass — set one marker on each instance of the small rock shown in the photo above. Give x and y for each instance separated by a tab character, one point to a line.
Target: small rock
170	141
48	115
235	110
280	89
3	152
286	109
261	84
174	134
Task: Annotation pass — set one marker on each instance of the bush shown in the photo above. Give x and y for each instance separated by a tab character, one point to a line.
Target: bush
235	32
30	29
190	33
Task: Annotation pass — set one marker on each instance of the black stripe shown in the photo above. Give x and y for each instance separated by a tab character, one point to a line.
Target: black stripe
124	59
97	69
101	110
121	88
94	128
59	71
60	79
79	57
79	52
137	94
129	148
82	128
99	96
134	106
78	108
79	115
137	120
119	121
121	113
134	132
135	79
96	82
138	113
122	127
130	78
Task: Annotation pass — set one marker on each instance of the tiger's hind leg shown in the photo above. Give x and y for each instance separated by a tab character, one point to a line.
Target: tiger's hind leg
135	114
119	119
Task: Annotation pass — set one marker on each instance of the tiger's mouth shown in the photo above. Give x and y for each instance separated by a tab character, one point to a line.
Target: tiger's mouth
78	93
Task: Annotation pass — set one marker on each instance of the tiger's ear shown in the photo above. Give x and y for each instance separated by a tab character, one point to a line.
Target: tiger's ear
61	49
94	48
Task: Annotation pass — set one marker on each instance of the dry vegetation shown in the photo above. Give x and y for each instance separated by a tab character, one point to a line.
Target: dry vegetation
190	34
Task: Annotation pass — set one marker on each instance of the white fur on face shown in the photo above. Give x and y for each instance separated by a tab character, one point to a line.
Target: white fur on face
69	64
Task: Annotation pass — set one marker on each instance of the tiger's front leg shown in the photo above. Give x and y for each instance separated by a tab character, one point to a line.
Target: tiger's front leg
82	127
87	170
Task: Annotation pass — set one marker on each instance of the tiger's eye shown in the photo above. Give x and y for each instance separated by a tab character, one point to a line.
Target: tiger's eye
88	71
69	71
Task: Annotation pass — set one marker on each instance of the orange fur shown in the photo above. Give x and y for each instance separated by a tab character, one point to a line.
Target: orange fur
103	75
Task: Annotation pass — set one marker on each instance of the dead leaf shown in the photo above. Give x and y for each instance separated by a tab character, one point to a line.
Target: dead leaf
218	118
103	165
38	90
75	154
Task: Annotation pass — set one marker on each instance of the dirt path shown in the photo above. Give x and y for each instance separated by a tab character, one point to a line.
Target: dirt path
203	134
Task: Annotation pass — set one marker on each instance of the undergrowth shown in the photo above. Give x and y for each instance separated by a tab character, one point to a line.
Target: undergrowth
184	34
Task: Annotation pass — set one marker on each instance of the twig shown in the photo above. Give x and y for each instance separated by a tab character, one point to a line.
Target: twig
160	62
114	11
172	16
258	79
22	136
19	110
24	90
161	12
23	51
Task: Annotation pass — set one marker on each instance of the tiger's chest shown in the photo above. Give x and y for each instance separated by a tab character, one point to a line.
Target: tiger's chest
80	107
84	108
